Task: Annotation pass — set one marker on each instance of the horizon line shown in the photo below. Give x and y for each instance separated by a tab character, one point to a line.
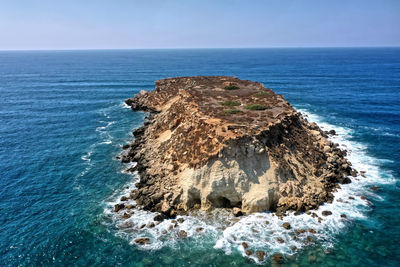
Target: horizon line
191	48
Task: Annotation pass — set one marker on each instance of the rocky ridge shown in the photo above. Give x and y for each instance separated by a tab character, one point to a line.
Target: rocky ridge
221	142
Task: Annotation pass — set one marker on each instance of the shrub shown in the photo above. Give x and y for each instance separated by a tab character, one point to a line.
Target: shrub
231	111
231	87
256	107
230	103
262	94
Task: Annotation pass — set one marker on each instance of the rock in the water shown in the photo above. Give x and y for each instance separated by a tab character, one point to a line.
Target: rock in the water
345	180
245	245
159	218
125	147
237	212
118	207
182	234
353	173
280	240
300	231
130	206
260	255
126	215
332	132
142	241
278	258
327	212
286	225
249	252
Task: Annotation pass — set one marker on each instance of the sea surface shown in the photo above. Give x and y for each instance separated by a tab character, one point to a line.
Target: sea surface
63	122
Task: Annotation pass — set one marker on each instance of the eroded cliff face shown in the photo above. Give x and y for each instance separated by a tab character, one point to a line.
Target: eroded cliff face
221	142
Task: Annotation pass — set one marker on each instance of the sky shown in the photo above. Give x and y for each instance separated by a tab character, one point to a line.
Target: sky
131	24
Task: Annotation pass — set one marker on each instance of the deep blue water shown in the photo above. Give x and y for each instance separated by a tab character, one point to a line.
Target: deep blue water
62	123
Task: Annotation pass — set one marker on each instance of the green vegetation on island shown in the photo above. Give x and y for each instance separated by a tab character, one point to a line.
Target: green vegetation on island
256	107
231	87
231	111
230	103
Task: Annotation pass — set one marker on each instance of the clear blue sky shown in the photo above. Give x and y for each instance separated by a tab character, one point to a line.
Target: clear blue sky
108	24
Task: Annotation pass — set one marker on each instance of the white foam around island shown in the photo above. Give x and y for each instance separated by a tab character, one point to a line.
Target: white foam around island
226	233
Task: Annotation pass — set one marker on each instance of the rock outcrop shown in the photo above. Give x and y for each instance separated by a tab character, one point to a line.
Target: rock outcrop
221	142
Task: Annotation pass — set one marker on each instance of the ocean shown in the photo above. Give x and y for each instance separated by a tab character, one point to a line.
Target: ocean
63	121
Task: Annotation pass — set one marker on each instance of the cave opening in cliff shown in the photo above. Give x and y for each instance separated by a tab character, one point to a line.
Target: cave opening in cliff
194	198
222	202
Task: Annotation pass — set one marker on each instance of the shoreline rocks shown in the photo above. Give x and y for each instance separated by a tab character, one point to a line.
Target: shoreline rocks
204	146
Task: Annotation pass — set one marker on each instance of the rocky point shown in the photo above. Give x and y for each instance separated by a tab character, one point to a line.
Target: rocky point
222	142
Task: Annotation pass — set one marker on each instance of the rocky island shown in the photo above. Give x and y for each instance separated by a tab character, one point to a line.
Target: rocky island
222	142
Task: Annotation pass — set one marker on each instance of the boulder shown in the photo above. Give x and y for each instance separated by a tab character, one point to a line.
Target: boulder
118	207
237	212
260	255
159	217
182	234
126	215
353	173
125	147
277	258
280	240
142	241
327	212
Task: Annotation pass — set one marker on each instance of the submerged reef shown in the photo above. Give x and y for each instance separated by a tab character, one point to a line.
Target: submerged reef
221	142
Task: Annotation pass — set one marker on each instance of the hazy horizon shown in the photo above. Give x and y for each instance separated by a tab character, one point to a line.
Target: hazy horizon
156	24
197	48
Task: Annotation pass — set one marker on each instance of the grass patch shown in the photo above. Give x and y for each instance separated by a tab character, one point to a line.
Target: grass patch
230	103
231	87
262	94
256	107
231	111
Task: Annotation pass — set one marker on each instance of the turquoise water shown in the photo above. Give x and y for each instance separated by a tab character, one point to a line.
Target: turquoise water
63	122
